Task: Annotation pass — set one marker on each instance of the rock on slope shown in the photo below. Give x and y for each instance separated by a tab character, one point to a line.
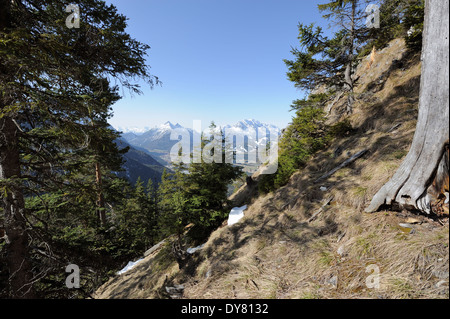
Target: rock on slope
279	251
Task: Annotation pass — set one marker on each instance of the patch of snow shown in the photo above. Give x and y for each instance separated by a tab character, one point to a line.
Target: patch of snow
130	266
193	250
411	31
236	215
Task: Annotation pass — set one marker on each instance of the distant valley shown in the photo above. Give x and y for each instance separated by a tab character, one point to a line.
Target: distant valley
140	164
156	142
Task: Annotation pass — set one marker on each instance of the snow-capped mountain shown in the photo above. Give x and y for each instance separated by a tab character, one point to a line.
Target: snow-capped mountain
168	126
154	138
248	124
156	141
141	130
133	130
161	131
254	134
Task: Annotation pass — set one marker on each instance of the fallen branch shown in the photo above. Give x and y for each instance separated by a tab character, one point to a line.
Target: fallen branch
344	164
314	216
154	248
395	127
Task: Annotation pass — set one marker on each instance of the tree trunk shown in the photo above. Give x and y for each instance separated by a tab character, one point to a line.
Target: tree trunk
349	67
17	250
349	87
100	198
179	253
13	204
422	180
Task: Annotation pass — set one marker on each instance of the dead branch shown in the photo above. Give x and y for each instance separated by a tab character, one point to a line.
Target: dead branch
314	216
344	164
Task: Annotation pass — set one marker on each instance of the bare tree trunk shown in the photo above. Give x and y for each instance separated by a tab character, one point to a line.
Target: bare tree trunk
349	67
100	198
422	179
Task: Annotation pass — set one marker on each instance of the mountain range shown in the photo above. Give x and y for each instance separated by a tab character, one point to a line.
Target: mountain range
156	141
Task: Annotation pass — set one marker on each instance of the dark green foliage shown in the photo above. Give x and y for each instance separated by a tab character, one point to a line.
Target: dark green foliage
56	90
326	63
319	60
413	23
197	194
207	190
303	138
398	19
341	129
67	224
314	100
330	62
136	226
172	204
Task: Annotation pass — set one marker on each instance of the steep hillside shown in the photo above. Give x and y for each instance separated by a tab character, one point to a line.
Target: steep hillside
311	239
139	164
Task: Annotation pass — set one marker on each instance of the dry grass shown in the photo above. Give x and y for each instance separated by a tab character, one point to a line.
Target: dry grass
300	260
275	253
144	281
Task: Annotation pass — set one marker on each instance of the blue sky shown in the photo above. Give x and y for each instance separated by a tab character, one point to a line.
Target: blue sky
219	60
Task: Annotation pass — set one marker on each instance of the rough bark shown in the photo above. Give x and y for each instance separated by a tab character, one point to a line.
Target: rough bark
17	249
414	184
180	254
12	200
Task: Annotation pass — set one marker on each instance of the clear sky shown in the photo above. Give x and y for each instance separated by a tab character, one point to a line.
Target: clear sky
219	60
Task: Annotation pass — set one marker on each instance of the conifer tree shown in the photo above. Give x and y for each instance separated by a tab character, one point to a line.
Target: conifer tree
172	204
330	61
208	181
398	19
52	80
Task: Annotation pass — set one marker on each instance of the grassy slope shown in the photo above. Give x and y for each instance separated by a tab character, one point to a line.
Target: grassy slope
275	253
